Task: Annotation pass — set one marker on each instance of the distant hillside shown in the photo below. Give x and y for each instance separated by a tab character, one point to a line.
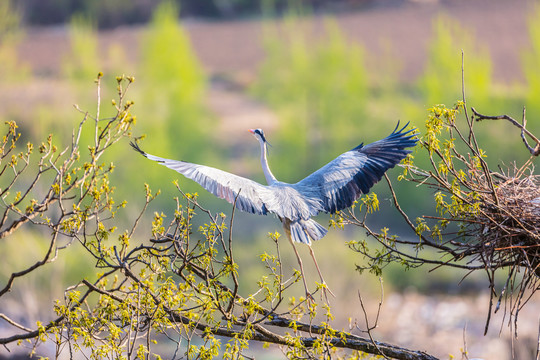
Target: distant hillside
108	13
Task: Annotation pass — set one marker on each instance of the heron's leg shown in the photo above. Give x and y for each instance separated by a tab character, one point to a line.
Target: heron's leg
288	232
320	274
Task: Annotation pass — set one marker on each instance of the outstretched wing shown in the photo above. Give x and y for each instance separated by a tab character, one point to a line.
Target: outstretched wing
249	194
340	182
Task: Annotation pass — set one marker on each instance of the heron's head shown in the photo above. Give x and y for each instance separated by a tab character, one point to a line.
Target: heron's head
259	134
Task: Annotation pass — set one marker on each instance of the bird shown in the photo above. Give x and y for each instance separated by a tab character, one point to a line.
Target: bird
334	187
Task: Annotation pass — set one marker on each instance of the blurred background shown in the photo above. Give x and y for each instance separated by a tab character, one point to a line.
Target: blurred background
319	77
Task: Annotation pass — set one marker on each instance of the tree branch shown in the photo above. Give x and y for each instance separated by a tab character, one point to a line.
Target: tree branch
534	151
350	341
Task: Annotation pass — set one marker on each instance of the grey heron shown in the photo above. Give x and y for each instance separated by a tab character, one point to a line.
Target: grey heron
333	187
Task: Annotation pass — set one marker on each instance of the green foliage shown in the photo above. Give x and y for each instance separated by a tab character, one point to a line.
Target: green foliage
82	63
9	19
172	90
530	62
441	82
173	86
10	34
169	59
317	88
63	192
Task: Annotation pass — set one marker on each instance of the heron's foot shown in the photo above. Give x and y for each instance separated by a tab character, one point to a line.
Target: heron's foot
309	295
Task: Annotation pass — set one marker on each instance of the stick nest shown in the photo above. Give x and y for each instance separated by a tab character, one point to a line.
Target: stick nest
509	230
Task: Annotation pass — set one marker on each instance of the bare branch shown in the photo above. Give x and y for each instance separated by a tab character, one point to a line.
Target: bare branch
535	151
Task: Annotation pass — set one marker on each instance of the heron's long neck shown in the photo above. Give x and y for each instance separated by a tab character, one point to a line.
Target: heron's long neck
270	178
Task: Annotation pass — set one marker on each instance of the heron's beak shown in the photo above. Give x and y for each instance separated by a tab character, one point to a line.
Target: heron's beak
251	131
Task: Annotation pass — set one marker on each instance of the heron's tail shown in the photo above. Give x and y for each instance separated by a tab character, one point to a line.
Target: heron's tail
303	230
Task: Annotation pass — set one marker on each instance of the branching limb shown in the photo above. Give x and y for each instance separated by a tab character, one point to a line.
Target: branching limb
535	151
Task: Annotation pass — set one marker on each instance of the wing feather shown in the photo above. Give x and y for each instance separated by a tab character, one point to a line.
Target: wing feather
250	196
343	180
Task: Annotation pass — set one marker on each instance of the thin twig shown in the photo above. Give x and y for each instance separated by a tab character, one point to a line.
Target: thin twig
534	151
366	319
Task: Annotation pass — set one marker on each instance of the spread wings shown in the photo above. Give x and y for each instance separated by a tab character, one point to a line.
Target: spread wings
343	180
333	187
222	184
